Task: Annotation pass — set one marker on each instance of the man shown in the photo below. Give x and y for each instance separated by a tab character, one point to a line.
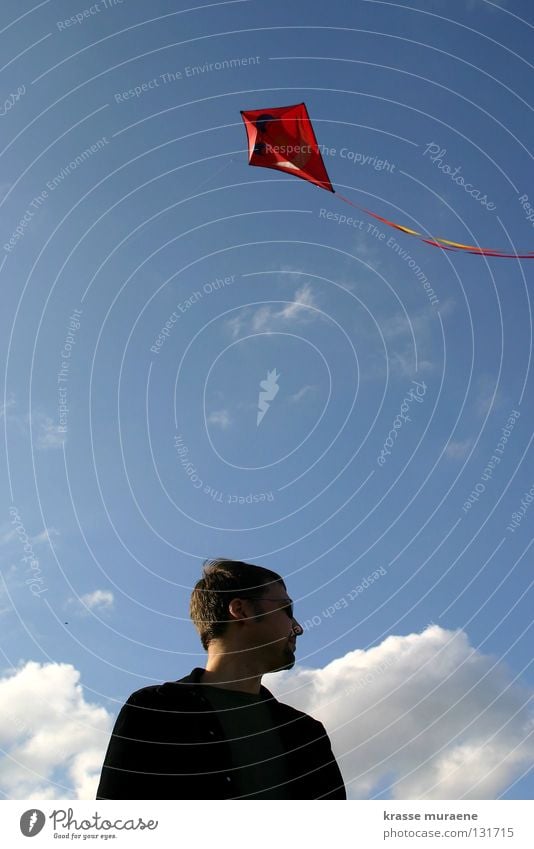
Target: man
218	733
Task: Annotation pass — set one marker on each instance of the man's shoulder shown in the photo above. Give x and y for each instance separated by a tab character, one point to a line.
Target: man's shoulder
187	692
153	693
290	714
293	718
163	694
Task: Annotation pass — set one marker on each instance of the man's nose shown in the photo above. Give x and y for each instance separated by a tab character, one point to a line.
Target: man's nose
297	628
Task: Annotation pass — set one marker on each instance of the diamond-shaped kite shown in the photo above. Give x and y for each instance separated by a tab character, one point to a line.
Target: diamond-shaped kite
283	138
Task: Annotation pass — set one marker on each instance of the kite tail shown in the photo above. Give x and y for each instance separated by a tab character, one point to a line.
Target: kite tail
444	244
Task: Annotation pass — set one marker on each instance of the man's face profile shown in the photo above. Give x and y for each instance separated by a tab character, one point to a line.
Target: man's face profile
271	629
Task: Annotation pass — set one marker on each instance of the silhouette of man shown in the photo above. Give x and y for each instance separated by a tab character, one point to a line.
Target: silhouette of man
218	733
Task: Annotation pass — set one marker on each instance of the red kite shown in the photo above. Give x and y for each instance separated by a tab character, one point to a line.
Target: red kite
283	139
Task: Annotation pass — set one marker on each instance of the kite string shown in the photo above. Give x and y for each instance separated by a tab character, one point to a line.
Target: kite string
212	176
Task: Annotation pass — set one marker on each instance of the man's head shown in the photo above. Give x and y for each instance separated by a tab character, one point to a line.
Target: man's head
239	607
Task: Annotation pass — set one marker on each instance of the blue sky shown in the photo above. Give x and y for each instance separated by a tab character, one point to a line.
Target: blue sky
124	168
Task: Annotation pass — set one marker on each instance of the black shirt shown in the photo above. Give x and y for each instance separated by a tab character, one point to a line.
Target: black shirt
169	742
257	751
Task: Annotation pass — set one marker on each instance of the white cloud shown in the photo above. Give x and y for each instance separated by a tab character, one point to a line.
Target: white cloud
262	318
234	325
53	738
48	434
299	308
305	390
98	600
416	322
8	534
410	339
401	324
45	430
10	403
458	449
7	412
268	317
220	418
487	398
45	536
402	364
425	713
368	250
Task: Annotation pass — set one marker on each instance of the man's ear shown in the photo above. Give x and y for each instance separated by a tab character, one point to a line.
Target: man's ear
241	608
